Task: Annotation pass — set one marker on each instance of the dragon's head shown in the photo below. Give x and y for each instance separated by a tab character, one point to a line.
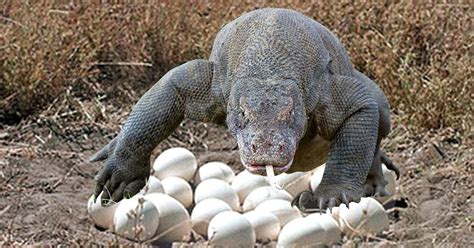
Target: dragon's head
268	120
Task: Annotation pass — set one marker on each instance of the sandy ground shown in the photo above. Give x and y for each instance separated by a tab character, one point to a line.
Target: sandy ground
45	182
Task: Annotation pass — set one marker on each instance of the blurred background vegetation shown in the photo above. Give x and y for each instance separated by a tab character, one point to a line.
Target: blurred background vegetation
56	53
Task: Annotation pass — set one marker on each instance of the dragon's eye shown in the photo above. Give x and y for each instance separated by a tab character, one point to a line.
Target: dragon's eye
242	113
242	110
241	119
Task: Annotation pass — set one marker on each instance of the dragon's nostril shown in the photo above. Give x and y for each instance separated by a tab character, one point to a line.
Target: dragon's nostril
254	148
280	148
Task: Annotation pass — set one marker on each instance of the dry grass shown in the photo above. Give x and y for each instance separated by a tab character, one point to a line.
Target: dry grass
420	53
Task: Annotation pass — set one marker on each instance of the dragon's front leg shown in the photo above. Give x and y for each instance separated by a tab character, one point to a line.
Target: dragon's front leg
159	111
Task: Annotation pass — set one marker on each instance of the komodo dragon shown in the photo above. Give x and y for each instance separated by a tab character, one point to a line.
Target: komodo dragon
286	89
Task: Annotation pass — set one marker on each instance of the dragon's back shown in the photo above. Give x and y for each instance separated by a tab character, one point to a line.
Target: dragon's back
276	43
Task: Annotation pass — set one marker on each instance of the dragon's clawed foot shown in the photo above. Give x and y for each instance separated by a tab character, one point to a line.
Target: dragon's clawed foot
325	197
120	180
120	177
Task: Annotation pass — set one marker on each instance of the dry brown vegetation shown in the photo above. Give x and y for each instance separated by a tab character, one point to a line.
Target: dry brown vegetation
70	72
418	52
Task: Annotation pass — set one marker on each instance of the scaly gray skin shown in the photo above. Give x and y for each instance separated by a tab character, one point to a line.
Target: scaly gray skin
277	79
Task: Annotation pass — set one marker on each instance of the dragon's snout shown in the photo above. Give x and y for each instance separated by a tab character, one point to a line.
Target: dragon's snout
268	144
268	149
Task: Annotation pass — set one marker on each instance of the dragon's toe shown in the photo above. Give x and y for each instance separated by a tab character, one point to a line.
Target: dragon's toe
303	200
325	197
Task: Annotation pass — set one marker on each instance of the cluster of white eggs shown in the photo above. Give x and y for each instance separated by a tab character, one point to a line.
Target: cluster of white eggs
232	210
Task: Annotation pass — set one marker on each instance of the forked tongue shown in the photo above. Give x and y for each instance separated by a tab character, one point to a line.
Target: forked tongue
272	179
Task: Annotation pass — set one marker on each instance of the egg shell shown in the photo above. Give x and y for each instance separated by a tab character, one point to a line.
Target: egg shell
175	162
390	177
230	229
215	188
245	182
215	170
266	225
262	194
330	225
295	182
136	219
316	177
175	223
102	216
153	185
281	209
312	231
204	211
335	212
179	189
366	217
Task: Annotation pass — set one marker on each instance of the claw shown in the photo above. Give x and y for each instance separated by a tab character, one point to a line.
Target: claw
331	203
389	164
105	199
344	199
293	202
296	199
300	199
98	189
102	180
102	154
320	204
300	204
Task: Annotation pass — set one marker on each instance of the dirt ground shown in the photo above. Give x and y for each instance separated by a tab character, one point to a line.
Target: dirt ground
45	181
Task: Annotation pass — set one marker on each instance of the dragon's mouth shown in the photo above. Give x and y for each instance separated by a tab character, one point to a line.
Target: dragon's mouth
260	169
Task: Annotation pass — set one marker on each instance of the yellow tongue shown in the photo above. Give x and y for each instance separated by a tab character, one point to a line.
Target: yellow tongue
271	178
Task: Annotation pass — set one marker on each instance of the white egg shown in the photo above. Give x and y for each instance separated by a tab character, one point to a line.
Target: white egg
204	211
389	176
215	170
230	229
281	209
175	223
330	225
366	217
102	216
175	162
179	189
316	177
295	182
266	225
215	188
245	182
262	194
311	231
335	212
153	185
136	218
